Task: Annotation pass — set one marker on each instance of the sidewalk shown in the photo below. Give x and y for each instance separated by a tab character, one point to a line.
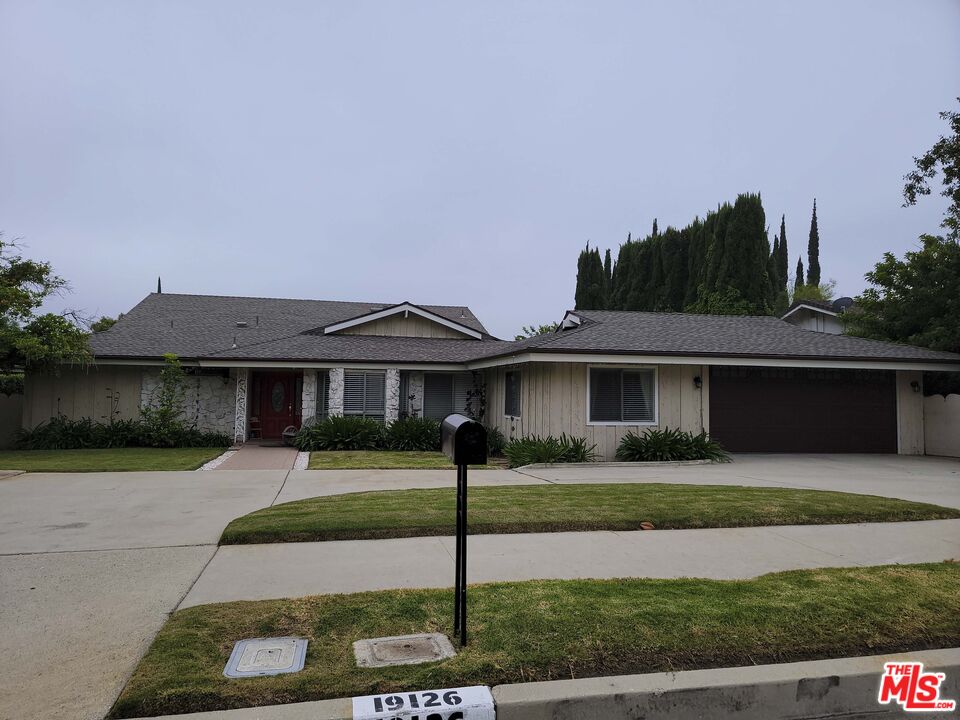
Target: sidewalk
252	456
259	572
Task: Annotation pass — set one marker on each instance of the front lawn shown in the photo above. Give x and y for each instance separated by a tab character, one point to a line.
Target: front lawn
549	630
105	460
559	508
379	460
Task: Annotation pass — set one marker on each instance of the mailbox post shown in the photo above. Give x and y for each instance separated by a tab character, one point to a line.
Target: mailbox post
464	442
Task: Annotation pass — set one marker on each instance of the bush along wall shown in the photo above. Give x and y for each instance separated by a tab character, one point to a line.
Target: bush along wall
549	449
668	445
62	433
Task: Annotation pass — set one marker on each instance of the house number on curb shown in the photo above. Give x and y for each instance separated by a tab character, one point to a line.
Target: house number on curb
469	703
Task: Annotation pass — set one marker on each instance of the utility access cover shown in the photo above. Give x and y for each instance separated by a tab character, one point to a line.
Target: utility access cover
402	650
266	656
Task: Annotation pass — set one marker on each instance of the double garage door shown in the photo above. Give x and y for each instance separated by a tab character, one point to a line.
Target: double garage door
803	410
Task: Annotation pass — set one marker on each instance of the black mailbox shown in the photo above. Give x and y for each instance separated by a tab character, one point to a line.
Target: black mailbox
463	440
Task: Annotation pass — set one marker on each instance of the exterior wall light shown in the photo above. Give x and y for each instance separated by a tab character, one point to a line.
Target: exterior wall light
698	382
915	385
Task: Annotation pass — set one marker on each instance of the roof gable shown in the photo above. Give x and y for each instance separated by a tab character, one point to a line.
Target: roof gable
402	310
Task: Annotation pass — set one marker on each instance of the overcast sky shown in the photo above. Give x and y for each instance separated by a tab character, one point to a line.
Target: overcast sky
451	153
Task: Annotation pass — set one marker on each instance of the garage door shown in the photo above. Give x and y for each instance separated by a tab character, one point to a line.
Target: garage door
803	410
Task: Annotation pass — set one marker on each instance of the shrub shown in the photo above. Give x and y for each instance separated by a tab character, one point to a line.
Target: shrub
670	444
342	432
534	449
496	442
413	433
61	433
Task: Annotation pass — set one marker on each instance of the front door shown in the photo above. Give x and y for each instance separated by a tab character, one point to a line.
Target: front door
278	403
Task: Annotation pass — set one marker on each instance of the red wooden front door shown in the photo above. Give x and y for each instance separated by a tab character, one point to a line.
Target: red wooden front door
278	403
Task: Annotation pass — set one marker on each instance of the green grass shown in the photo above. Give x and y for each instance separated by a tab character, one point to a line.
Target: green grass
559	508
380	460
104	460
547	630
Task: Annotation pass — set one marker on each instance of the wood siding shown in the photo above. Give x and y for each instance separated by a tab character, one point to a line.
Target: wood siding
400	326
553	400
82	392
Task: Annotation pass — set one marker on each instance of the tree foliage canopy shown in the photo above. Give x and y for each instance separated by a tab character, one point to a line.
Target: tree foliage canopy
943	157
29	340
915	300
529	331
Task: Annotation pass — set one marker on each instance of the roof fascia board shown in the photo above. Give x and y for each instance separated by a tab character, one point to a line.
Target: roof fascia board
803	306
396	310
326	365
712	360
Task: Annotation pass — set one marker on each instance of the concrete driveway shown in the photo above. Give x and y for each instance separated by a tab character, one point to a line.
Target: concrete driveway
91	566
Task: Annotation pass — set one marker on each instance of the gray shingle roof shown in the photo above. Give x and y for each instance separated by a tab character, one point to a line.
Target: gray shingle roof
716	335
198	326
204	326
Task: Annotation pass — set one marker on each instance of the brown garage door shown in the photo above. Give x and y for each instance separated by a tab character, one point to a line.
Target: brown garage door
803	410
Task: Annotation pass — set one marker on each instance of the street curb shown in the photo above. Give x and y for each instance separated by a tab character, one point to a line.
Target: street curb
843	688
640	464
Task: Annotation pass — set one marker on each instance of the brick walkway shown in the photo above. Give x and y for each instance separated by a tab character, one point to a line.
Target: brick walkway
260	457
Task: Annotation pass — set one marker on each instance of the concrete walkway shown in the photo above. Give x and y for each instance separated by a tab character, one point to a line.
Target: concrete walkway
260	572
260	457
91	565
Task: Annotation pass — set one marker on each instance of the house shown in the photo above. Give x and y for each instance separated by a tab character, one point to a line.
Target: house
818	315
259	365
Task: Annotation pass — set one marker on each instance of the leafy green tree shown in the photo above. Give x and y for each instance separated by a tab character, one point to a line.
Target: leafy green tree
29	340
104	323
529	331
813	250
590	293
824	292
915	300
944	157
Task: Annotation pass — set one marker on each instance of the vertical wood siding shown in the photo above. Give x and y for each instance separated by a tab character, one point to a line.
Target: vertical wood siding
400	326
553	399
82	392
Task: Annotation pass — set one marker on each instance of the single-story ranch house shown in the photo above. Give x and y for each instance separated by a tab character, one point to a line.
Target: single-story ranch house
260	365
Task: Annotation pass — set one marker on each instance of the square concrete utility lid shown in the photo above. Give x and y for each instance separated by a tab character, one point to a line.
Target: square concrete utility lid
402	650
266	656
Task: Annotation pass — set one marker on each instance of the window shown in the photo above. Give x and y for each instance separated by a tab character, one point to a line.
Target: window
511	395
364	393
623	396
445	393
323	394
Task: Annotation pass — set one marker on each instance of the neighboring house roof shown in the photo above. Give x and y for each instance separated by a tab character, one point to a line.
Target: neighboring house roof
647	333
826	307
206	326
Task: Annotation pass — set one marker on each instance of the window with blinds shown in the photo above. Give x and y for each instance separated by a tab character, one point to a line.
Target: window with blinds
323	394
511	395
364	393
445	393
623	396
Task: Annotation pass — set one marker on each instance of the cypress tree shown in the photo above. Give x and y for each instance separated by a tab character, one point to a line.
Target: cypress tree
783	262
773	267
607	280
589	294
798	282
655	231
813	250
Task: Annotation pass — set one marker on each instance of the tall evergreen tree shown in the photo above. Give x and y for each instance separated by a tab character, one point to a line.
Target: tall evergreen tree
607	279
783	262
655	231
798	281
813	250
773	267
590	293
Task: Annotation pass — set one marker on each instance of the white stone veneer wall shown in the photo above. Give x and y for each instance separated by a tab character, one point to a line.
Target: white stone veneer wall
392	409
336	391
308	398
415	393
209	403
